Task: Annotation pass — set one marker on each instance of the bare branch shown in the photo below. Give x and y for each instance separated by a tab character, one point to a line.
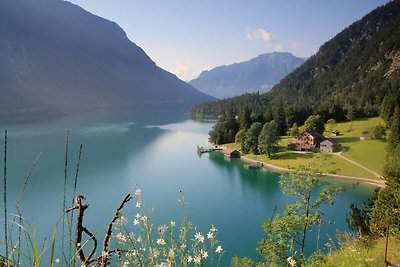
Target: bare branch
105	253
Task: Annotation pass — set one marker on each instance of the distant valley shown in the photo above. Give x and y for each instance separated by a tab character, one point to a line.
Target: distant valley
258	74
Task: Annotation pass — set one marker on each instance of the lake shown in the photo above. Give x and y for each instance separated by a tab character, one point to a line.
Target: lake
157	153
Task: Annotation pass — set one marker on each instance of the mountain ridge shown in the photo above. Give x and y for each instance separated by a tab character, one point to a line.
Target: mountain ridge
257	74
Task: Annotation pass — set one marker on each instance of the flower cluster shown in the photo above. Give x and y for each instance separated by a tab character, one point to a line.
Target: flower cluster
144	244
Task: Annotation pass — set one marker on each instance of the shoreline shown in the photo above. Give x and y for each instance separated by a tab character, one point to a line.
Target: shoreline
334	177
376	183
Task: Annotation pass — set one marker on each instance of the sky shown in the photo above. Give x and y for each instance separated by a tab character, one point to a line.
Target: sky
186	37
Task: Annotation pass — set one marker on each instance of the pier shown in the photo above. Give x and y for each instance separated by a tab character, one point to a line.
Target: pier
256	165
201	150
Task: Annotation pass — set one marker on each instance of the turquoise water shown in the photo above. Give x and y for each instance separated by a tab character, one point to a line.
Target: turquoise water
157	153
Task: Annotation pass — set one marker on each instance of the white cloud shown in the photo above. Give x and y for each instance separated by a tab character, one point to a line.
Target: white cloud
185	70
259	34
270	40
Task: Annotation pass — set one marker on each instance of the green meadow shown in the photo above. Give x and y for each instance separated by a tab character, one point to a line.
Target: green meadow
368	153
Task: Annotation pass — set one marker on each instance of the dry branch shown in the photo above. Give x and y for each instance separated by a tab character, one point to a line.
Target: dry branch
105	253
102	260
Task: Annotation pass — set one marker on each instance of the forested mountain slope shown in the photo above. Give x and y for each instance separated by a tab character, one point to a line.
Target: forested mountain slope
358	69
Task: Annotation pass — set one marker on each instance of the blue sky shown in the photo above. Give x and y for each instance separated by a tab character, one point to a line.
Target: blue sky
186	37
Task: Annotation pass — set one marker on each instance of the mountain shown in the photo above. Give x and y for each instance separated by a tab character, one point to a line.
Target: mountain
358	70
257	74
57	58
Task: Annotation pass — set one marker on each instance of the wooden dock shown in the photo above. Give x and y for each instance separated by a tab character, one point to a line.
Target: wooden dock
201	150
256	165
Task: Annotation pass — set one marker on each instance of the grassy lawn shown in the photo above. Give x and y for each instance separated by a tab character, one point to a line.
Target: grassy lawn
355	253
370	154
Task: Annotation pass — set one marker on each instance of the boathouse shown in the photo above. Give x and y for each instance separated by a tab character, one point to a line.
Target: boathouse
231	153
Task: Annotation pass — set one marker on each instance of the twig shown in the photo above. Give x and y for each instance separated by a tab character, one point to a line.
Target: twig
105	253
81	229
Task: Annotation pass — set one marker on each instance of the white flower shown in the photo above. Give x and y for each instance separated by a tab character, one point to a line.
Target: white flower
136	222
139	239
161	242
162	229
135	253
190	259
137	216
120	237
138	192
199	237
210	235
219	249
291	261
213	229
183	246
171	253
204	255
57	261
197	260
172	223
138	204
144	218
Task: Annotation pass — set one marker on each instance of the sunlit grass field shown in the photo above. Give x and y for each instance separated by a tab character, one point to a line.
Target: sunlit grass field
370	153
357	253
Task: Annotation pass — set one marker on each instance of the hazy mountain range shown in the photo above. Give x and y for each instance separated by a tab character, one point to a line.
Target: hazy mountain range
257	74
56	58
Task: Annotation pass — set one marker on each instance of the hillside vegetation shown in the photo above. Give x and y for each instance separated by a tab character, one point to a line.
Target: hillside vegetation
360	253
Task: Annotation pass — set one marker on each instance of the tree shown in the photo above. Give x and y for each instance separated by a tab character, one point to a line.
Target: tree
280	119
359	219
269	138
314	123
287	233
244	119
224	130
394	137
332	124
350	115
378	132
240	135
250	143
294	131
387	206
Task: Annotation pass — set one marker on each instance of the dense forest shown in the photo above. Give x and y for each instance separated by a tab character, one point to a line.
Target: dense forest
355	72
